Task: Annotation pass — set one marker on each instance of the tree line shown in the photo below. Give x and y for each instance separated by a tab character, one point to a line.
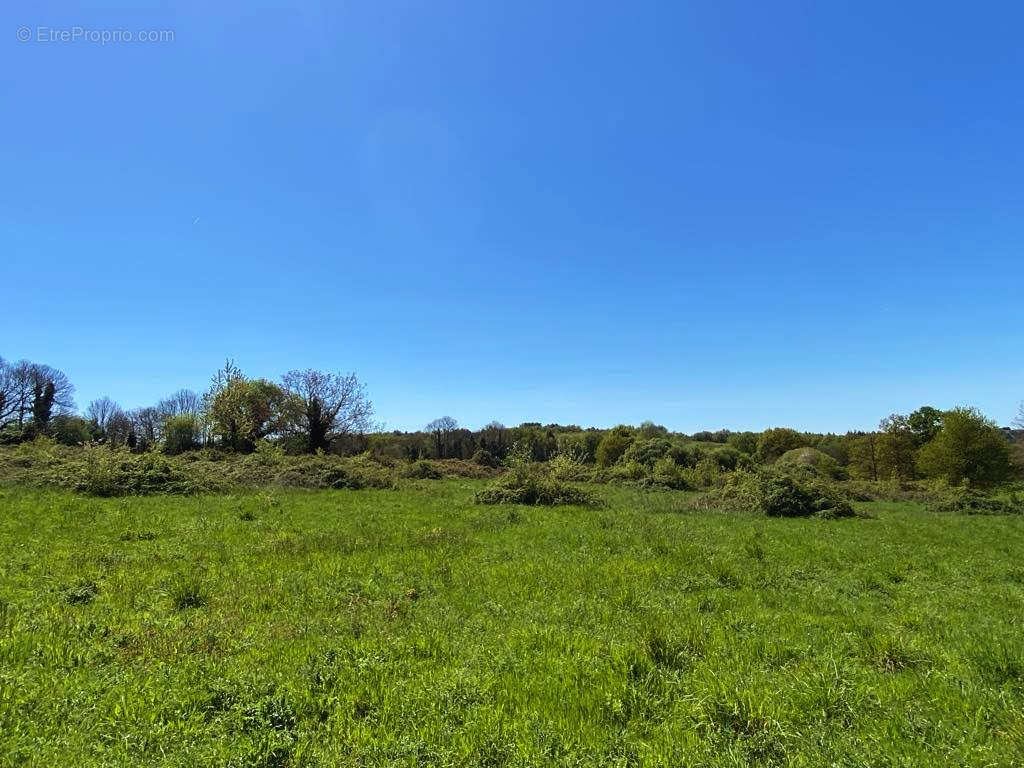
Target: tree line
310	410
307	411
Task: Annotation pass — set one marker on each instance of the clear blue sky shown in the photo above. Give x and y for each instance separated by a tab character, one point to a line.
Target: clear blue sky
709	214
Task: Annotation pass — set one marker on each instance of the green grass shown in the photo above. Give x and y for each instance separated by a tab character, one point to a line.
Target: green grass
411	627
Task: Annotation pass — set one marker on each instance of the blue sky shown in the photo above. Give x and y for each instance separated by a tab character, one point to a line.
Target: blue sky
709	214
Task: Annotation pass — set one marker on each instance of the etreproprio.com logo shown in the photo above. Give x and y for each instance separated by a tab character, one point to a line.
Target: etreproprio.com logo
77	34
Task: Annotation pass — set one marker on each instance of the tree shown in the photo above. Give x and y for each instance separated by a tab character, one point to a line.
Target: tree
43	393
896	447
99	412
970	448
244	411
327	406
494	438
774	442
182	401
864	462
32	391
441	429
147	425
71	430
181	433
925	424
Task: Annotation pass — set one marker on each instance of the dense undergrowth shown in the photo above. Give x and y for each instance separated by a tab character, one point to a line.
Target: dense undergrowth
802	485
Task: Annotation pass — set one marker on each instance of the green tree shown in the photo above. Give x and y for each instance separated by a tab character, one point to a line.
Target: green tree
774	442
896	448
613	445
181	433
745	442
244	411
969	448
925	424
864	463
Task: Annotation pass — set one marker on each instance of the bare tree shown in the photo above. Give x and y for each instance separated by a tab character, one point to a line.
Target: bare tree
119	429
100	410
184	401
1019	421
442	430
34	391
8	391
327	405
147	424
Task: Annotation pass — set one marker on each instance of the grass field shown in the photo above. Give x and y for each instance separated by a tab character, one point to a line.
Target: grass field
411	627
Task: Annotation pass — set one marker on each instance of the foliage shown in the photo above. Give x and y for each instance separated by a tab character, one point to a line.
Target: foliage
70	430
244	411
613	445
533	484
423	470
969	448
646	451
813	459
896	446
181	433
780	494
774	442
484	458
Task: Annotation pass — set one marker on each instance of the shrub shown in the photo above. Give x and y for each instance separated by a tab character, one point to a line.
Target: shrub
686	454
667	474
966	502
484	458
422	470
613	445
268	454
646	451
532	484
330	472
778	494
811	459
727	458
569	465
116	472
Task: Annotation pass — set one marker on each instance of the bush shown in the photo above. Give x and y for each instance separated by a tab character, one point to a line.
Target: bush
102	471
568	466
966	502
783	495
422	470
780	494
667	474
484	458
612	446
330	472
813	460
646	451
532	484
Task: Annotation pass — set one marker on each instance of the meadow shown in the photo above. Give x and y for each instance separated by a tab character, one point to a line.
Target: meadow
411	626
